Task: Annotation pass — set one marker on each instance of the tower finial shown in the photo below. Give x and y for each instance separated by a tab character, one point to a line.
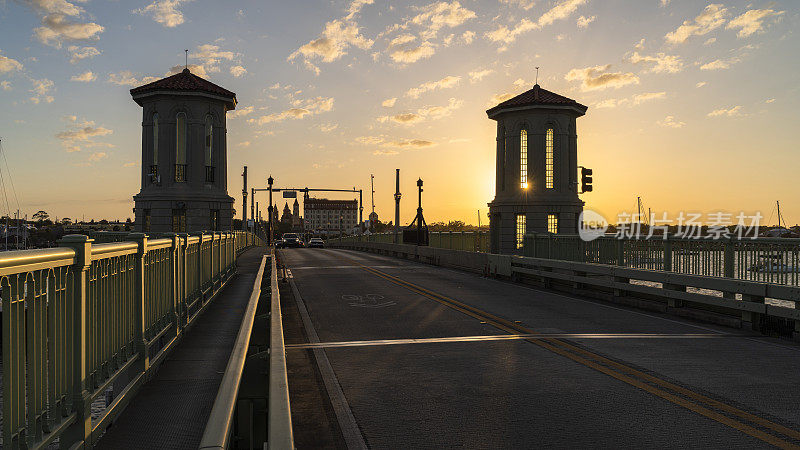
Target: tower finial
187	59
537	74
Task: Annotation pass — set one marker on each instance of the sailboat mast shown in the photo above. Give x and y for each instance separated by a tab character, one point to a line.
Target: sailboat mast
779	212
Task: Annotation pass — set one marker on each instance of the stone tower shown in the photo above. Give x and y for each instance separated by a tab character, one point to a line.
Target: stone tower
537	168
184	155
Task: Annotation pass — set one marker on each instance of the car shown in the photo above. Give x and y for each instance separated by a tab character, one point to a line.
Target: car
291	240
316	243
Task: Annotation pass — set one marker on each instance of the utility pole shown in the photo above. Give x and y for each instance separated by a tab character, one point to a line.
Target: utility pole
270	180
397	196
360	209
372	187
244	199
253	207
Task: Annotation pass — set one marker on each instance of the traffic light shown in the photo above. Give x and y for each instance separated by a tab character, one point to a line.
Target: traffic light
586	180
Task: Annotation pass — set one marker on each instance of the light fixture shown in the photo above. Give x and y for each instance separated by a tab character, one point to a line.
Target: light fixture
525	185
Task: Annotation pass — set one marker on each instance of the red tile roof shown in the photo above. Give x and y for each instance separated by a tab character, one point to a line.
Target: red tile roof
537	97
184	81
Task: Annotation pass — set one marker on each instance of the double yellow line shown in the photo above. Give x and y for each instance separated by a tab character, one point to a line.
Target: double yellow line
681	396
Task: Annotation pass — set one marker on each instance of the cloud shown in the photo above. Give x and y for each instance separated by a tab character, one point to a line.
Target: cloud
335	40
85	77
238	71
598	77
561	10
670	122
647	96
5	85
662	63
127	78
700	84
303	109
639	45
752	21
441	14
444	83
468	36
712	17
524	4
165	12
243	144
41	91
410	54
58	28
477	75
710	41
241	112
8	64
719	64
389	102
730	112
431	112
390	146
131	164
328	127
79	53
196	69
97	156
583	22
771	100
82	134
500	98
210	55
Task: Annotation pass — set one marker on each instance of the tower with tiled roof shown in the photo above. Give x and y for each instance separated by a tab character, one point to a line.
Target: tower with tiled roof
536	187
184	155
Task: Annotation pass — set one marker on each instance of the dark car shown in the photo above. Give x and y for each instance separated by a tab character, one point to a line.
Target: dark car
316	243
291	240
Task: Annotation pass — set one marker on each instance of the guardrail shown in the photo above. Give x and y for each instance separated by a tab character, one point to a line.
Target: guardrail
473	241
83	317
234	394
768	307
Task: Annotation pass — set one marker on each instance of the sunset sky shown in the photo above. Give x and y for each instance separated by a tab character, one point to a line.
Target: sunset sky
692	105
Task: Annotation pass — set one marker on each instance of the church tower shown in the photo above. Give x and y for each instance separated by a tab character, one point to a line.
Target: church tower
537	168
184	155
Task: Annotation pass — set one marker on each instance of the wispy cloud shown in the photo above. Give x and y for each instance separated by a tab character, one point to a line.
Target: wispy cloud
127	78
583	21
431	112
41	91
238	71
81	135
752	21
728	112
61	22
561	10
9	65
389	102
477	75
241	112
719	64
303	109
85	77
712	17
165	12
660	62
445	83
670	122
78	53
599	77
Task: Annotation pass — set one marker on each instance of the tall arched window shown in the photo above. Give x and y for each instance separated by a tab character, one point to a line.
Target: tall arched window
523	159
209	149
154	163
502	159
180	148
548	159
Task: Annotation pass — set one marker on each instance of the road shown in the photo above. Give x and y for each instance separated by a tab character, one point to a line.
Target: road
428	357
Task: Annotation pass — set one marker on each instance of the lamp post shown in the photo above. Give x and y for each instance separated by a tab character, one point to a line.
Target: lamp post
270	180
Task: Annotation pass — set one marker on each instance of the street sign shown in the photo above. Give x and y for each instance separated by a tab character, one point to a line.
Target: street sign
289	194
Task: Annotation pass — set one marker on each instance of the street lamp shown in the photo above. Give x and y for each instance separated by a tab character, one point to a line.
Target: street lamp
269	219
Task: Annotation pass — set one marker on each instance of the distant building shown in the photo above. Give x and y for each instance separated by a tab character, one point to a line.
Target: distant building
373	220
184	155
286	216
537	168
297	221
329	217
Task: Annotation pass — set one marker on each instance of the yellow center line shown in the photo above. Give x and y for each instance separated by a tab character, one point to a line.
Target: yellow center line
560	347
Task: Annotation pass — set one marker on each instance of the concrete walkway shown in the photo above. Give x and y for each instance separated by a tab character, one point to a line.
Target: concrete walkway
171	410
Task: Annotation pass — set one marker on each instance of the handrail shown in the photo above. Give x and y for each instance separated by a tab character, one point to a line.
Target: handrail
279	421
220	421
11	261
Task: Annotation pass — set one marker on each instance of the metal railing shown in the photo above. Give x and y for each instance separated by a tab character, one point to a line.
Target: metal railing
770	260
86	316
180	173
235	399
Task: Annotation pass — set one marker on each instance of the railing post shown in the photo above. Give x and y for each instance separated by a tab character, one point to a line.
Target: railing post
668	255
184	274
81	430
176	305
200	259
729	259
143	364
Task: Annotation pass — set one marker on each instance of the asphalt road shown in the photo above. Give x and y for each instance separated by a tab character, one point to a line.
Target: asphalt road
419	355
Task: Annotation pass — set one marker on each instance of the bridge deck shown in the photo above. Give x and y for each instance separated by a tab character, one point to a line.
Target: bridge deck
395	334
171	410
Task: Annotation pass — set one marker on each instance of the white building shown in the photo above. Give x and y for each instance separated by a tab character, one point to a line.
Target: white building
329	217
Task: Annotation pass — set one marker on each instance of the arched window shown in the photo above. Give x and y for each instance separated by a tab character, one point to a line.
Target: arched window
180	148
548	159
154	163
523	159
209	149
502	159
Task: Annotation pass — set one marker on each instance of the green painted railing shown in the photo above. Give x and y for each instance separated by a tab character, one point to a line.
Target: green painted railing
82	317
769	260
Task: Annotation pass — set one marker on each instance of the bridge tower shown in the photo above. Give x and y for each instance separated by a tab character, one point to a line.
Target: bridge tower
184	155
537	168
